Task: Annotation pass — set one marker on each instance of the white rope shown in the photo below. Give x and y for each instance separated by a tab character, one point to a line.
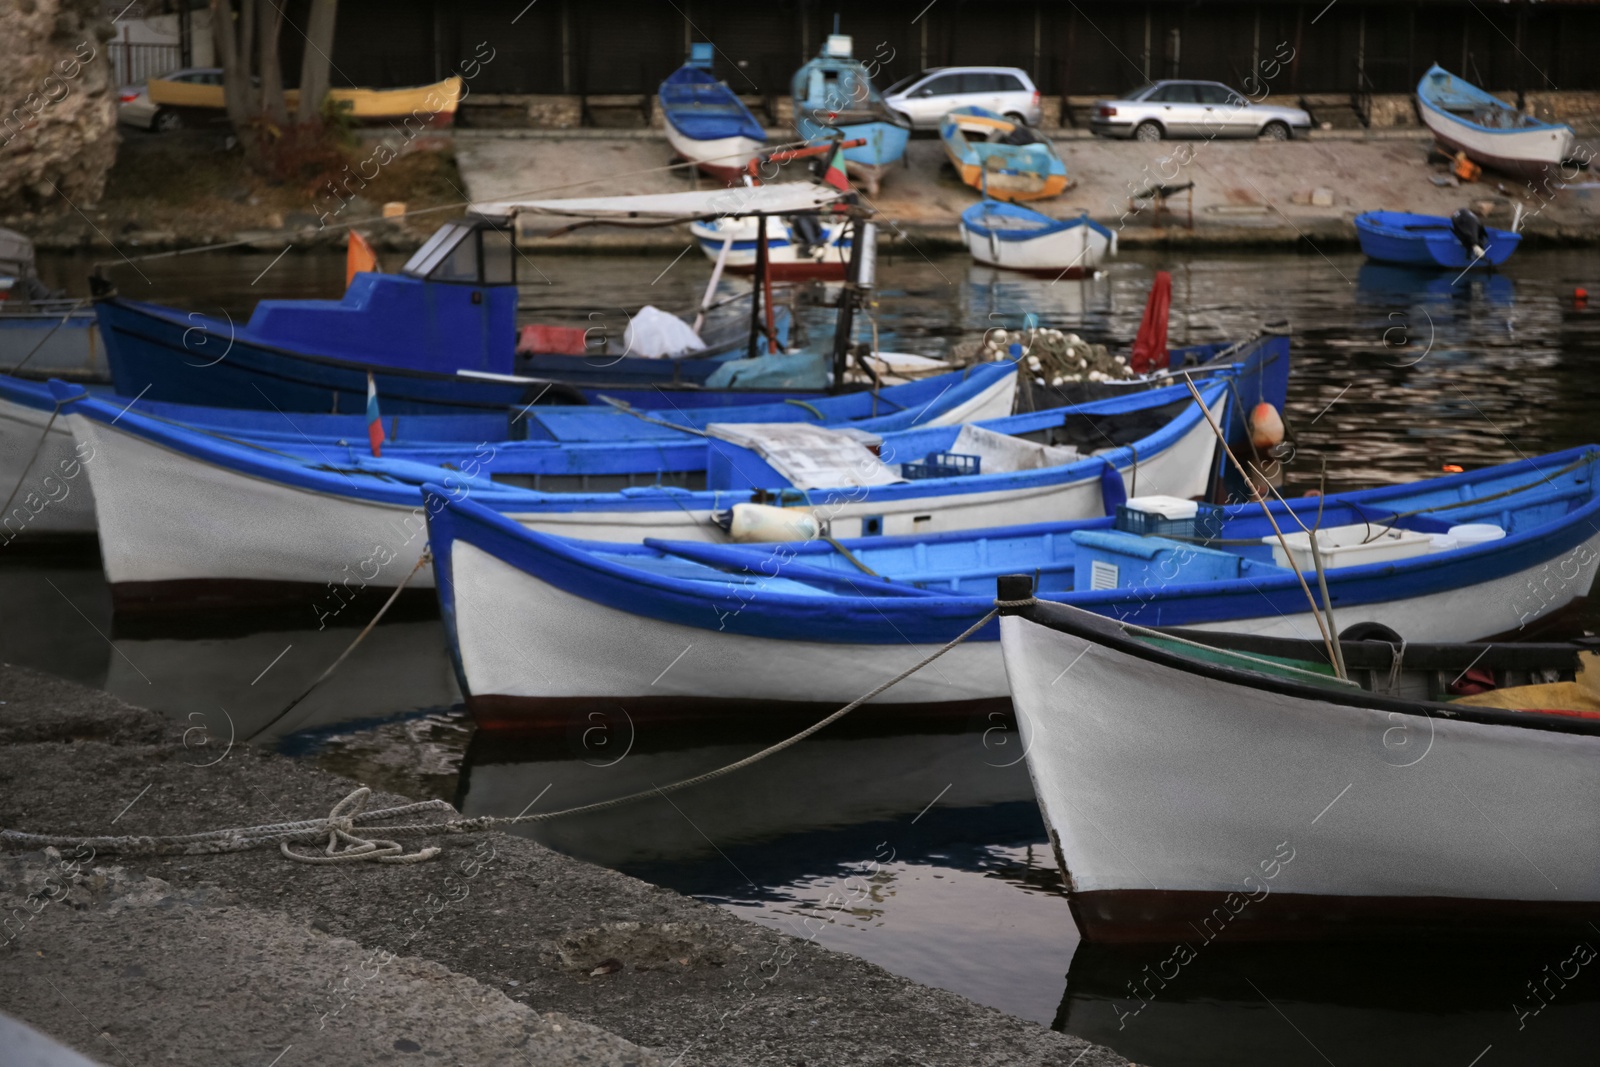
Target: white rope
340	824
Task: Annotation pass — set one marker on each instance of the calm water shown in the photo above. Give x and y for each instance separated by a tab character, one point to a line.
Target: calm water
920	848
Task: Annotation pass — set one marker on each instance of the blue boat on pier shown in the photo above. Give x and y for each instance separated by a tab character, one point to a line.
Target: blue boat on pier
834	92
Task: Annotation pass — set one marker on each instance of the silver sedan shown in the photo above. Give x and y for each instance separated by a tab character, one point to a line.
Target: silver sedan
1194	109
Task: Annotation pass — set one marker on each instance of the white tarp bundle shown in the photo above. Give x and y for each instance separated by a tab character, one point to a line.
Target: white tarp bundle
1000	453
780	198
657	334
811	457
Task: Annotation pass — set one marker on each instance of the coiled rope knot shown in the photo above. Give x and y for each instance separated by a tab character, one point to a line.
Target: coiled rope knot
341	824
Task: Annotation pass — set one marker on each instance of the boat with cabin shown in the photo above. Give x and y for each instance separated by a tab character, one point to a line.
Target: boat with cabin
834	95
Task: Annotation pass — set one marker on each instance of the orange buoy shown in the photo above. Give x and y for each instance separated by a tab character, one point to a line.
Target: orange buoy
1266	427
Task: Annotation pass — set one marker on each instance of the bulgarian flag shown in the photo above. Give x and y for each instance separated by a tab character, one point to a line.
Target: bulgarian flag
834	175
374	420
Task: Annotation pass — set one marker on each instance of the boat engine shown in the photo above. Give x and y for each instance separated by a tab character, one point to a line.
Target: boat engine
1469	230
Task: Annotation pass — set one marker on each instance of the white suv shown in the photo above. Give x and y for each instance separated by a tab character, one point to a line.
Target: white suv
926	98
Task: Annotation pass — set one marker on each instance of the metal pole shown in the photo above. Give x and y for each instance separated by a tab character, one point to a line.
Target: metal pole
844	325
755	285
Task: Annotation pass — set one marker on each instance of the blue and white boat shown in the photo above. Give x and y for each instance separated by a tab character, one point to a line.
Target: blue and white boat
1017	238
1003	159
706	122
711	629
1412	240
440	335
41	331
184	512
1464	118
834	92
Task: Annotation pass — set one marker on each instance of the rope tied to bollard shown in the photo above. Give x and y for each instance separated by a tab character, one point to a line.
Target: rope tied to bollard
341	823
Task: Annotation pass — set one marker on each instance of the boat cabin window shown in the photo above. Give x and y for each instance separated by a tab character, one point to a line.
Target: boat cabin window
466	254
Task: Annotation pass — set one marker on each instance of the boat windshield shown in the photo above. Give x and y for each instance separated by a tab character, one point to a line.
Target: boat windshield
436	248
462	252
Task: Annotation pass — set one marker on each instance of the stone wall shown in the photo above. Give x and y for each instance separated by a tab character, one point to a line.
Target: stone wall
58	114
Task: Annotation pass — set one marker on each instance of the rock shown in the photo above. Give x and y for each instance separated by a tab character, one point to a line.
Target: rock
1322	198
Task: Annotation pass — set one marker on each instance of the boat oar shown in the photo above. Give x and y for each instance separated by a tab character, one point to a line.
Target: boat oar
1335	656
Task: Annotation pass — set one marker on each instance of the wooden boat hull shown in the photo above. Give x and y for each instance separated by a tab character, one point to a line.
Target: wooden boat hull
59	344
1427	241
1069	253
1001	171
726	158
1185	806
1505	140
826	261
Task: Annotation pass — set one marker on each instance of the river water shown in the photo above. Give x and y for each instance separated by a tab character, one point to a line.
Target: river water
919	846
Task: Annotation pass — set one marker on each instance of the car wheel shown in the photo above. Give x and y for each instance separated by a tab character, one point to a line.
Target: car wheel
1148	132
1016	116
1275	131
166	121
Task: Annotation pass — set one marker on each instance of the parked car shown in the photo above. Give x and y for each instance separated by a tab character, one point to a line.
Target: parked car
135	108
926	98
1194	109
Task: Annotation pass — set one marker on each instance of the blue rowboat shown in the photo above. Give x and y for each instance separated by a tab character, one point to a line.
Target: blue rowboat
834	92
706	122
1017	238
1004	159
1464	118
184	512
817	624
1428	241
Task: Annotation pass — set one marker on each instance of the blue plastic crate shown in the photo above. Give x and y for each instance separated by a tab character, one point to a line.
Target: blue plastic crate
942	465
1206	525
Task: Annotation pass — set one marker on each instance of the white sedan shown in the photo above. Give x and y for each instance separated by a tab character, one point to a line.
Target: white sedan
1194	109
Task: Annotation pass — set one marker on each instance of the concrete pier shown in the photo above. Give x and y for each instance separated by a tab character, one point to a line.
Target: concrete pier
498	951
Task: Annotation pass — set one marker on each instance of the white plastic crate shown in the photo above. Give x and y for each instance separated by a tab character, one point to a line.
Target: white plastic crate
1350	546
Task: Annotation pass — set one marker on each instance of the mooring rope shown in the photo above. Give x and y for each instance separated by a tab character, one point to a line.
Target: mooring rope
340	824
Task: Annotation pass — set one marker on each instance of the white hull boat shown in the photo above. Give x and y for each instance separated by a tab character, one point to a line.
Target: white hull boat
1467	119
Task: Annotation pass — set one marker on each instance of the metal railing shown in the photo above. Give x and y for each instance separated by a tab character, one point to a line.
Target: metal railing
134	63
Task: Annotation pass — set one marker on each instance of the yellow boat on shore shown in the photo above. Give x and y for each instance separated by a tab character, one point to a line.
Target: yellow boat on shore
203	91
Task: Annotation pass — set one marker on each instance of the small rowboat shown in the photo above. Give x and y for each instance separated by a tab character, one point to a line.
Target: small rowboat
1005	159
434	104
1428	241
1004	235
1204	786
792	252
706	123
818	623
1466	119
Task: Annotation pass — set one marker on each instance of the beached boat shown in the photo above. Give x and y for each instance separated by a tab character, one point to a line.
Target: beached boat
1004	159
1015	238
434	104
814	625
706	123
186	515
808	246
440	335
1430	241
834	92
1490	131
1198	786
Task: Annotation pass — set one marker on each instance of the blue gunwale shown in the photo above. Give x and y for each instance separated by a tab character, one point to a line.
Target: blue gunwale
1427	92
619	576
398	481
972	219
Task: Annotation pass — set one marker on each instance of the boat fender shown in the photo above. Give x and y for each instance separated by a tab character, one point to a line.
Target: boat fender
763	523
1266	427
1113	493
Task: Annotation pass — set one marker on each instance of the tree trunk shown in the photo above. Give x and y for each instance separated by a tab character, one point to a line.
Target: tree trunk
317	59
272	102
233	44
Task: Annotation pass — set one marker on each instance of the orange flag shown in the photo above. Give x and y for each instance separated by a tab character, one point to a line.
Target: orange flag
358	257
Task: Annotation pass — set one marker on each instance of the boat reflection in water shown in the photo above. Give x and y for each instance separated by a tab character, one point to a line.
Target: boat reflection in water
1374	1004
917	846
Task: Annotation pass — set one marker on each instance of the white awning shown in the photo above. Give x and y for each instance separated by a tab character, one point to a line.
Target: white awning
781	198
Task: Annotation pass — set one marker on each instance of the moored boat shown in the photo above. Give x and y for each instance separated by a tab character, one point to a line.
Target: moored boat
1490	131
185	514
819	623
1004	159
42	332
1016	238
706	123
834	92
1413	240
804	246
1199	786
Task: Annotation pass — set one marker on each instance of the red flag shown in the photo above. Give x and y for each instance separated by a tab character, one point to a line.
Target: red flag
835	175
1150	347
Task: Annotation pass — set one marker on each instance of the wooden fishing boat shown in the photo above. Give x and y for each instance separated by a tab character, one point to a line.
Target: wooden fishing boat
1004	159
834	92
433	105
706	123
185	514
810	626
1198	785
1490	131
795	250
1428	241
440	335
1015	238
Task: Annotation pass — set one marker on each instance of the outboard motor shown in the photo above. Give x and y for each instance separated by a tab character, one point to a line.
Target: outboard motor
1469	230
806	230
